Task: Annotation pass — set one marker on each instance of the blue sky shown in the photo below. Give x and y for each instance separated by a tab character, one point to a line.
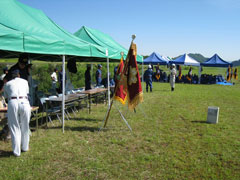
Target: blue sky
169	27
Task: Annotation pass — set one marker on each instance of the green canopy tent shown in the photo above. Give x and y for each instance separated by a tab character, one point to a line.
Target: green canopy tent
40	35
104	40
29	30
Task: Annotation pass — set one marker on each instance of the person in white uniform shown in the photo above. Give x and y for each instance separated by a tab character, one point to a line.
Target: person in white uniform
54	79
19	112
173	73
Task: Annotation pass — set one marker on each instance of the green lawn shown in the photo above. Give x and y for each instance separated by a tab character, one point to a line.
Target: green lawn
170	140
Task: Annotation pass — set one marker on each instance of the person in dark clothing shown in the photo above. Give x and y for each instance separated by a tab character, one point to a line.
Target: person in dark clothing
115	73
99	75
22	66
148	76
60	80
88	78
105	81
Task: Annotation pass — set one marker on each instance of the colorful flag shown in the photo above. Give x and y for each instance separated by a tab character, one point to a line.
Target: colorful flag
189	76
179	73
131	79
120	91
229	73
236	74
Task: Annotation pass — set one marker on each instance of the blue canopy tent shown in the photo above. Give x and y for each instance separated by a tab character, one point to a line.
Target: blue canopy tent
155	59
216	61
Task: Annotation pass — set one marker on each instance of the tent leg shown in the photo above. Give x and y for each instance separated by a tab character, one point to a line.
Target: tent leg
63	91
108	79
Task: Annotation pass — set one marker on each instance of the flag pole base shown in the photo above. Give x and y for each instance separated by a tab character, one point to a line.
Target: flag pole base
104	124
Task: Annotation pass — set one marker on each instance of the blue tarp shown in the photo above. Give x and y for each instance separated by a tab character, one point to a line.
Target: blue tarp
216	61
224	83
155	59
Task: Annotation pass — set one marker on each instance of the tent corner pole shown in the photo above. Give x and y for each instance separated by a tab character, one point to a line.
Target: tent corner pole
108	79
63	90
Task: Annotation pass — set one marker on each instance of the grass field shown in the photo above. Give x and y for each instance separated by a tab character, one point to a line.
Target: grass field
170	140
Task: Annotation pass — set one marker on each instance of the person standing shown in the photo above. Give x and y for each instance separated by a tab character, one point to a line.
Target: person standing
115	73
22	66
5	72
60	80
173	73
19	112
88	78
54	79
148	76
99	75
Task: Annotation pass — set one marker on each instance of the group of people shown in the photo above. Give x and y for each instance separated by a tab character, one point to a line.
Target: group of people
98	77
149	76
15	88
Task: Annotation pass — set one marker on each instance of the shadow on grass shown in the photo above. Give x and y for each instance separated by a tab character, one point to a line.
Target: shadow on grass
84	119
83	128
203	122
5	153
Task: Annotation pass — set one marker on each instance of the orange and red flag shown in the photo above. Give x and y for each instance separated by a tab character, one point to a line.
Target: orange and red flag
229	73
236	74
131	78
120	91
180	73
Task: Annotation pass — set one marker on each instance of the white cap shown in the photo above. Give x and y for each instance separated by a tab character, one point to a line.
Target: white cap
149	66
173	65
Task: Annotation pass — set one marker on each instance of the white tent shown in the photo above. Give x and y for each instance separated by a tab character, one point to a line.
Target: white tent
185	60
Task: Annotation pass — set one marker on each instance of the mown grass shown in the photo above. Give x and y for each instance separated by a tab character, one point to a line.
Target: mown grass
170	140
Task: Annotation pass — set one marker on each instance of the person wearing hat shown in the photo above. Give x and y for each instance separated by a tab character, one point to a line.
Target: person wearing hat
19	112
99	75
88	78
148	76
54	79
5	72
22	66
173	73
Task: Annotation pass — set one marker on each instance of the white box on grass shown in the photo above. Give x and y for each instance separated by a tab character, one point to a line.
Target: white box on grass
213	113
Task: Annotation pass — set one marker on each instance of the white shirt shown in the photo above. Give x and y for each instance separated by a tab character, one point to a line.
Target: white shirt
16	87
2	76
54	76
173	72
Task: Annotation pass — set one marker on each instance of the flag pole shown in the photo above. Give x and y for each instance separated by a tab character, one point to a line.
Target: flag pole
142	74
110	104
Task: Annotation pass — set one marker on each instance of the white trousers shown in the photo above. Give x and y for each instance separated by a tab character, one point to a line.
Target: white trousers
172	81
19	113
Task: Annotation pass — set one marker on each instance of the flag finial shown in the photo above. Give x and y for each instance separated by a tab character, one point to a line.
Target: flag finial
133	37
122	53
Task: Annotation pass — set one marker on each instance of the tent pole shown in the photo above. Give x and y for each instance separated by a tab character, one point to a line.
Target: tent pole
108	79
30	80
63	91
199	74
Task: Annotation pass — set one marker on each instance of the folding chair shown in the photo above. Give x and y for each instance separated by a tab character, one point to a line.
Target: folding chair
57	107
50	111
